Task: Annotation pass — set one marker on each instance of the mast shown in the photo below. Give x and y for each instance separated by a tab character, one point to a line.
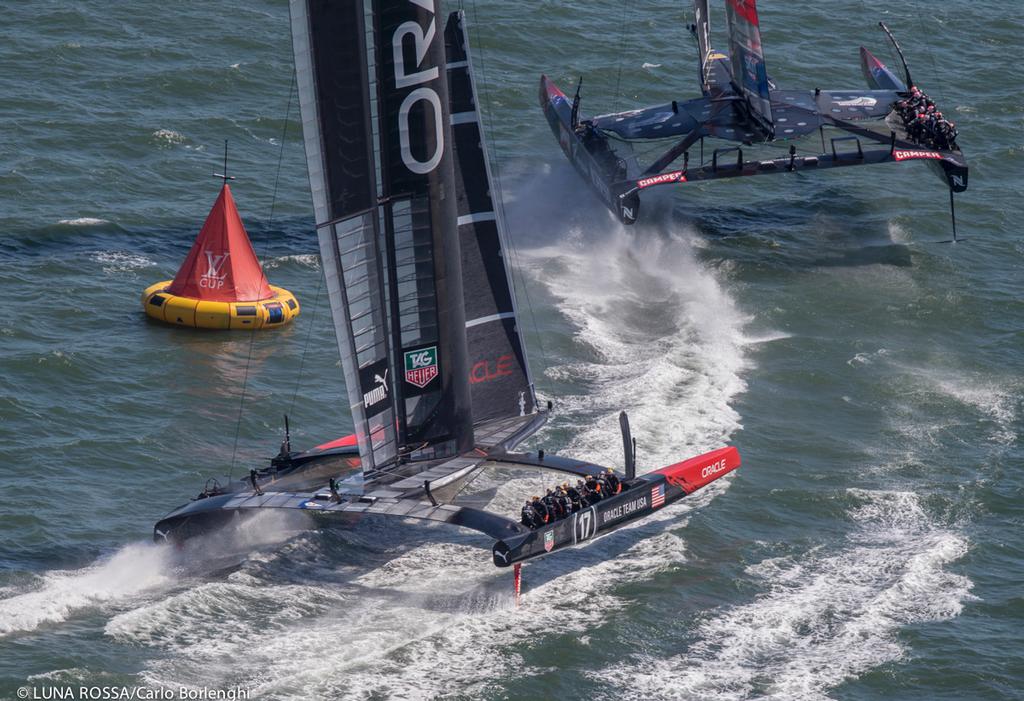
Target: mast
378	149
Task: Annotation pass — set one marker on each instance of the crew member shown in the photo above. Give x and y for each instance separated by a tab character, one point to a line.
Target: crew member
554	508
574	496
593	487
530	517
562	496
542	510
614	484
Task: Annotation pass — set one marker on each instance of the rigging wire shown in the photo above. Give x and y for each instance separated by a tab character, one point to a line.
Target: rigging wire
266	246
621	52
305	346
500	203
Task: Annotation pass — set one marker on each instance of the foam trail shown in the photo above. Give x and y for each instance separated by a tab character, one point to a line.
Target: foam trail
131	571
825	617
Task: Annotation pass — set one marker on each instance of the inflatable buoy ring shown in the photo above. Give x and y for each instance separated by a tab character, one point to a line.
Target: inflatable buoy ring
201	314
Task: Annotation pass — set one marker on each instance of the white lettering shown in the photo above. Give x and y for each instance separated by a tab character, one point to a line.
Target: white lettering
623	509
713	469
422	43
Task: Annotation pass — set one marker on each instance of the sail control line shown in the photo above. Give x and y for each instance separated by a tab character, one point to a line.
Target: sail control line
425	313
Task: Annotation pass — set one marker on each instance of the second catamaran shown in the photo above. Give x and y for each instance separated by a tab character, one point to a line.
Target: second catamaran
423	304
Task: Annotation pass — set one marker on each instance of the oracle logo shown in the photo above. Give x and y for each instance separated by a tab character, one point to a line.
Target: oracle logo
427	95
674	177
713	469
487	370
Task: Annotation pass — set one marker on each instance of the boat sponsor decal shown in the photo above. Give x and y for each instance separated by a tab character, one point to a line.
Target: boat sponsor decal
213	278
502	554
862	101
420	74
310	504
956	180
676	176
658	496
421	366
714	468
904	155
549	541
625	509
487	370
379	393
584	525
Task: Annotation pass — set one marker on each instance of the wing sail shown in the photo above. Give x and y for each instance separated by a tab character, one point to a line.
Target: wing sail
749	70
499	376
702	27
380	176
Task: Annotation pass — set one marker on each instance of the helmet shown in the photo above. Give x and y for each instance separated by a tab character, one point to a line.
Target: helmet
536	498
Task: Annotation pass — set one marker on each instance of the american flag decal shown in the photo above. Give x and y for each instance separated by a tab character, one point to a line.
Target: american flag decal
657	496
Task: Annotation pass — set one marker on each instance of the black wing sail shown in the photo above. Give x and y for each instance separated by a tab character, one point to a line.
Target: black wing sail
375	118
499	376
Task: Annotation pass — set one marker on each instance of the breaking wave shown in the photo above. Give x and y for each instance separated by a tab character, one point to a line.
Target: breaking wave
60	594
83	221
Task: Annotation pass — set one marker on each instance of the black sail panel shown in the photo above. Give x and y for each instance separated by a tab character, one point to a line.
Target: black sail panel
424	263
499	378
334	86
375	124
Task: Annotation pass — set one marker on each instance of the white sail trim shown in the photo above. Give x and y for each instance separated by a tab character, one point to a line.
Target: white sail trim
489	319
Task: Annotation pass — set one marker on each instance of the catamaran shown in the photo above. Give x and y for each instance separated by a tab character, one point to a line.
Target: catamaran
413	245
741	104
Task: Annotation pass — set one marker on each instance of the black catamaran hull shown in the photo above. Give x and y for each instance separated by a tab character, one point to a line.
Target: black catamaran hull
641	497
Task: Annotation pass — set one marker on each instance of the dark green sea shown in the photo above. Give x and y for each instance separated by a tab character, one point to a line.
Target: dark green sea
869	548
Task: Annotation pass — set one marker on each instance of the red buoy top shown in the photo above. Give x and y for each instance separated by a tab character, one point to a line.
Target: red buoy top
222	266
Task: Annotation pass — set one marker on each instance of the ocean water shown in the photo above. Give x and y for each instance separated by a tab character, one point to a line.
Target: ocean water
869	547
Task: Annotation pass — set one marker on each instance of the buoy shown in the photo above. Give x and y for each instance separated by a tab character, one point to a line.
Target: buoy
221	284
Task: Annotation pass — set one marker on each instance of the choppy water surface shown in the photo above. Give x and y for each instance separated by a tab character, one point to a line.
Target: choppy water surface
868	549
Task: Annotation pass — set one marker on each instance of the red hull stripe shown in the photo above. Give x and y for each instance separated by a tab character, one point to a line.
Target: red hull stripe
344	442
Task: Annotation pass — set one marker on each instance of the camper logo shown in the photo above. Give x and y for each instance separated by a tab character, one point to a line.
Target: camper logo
421	366
213	278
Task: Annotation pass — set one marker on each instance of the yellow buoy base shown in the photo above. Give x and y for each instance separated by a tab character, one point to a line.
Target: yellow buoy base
185	311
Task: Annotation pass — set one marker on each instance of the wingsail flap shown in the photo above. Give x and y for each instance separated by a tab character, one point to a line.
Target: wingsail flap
381	181
499	377
749	70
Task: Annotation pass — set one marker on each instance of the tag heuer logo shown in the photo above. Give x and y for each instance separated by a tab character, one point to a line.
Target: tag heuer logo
421	366
549	540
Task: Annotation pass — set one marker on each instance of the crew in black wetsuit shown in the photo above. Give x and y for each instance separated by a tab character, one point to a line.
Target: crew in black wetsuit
593	488
562	497
530	517
574	496
554	507
542	511
614	484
